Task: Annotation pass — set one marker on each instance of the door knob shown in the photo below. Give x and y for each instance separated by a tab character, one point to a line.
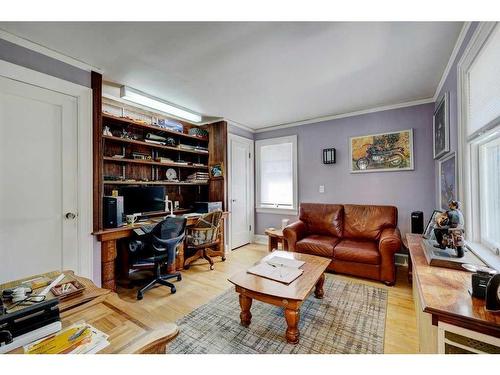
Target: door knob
70	215
233	200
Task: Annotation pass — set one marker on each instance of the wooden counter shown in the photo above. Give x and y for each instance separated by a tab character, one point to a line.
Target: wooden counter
109	249
442	294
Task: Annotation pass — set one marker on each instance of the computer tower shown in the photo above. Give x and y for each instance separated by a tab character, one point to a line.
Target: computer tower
112	212
417	222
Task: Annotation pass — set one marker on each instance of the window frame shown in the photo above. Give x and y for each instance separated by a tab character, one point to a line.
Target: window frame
469	146
275	141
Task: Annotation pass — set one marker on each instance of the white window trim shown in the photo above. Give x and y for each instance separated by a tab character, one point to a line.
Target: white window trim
270	141
468	155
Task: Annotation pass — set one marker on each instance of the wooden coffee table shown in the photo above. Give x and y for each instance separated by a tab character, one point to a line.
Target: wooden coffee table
290	296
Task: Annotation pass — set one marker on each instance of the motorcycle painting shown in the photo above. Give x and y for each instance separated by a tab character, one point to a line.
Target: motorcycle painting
382	152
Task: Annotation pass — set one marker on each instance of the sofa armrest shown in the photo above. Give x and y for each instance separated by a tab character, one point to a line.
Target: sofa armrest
388	245
293	233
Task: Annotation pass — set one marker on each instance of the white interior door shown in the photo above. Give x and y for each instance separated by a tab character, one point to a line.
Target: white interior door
38	169
241	190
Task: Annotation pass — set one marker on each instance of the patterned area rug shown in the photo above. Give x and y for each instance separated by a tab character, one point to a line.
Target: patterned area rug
349	319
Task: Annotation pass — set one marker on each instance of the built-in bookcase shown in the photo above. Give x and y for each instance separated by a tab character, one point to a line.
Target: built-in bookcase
124	157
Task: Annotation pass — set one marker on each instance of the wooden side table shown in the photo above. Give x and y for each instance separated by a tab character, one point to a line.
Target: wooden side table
275	236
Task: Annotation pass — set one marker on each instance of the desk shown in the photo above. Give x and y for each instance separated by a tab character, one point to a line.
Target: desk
131	329
109	249
441	295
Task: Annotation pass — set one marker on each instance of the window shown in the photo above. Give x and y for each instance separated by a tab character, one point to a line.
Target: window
479	90
489	182
276	164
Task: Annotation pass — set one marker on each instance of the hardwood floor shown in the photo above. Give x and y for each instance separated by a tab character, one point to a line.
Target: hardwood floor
199	285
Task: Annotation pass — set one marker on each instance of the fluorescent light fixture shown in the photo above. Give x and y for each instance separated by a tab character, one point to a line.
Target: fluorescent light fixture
138	97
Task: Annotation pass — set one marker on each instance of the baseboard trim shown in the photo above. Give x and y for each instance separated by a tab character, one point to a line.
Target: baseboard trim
260	239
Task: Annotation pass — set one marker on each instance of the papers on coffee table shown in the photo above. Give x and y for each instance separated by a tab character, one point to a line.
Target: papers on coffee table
283	270
285	262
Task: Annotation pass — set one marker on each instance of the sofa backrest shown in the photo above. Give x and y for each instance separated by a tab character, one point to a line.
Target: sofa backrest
367	222
325	219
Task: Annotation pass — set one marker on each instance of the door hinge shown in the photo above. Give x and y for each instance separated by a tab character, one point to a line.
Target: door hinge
250	228
249	155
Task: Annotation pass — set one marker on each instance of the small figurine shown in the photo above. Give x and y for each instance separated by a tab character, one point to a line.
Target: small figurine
107	131
449	228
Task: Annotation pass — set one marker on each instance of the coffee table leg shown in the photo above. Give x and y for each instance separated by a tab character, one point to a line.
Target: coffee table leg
318	291
245	315
292	321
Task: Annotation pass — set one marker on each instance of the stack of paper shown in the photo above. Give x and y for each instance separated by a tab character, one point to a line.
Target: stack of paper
80	338
276	271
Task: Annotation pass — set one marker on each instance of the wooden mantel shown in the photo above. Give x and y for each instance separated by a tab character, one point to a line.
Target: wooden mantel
444	294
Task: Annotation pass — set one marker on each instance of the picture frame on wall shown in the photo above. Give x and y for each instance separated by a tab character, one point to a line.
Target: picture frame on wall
441	127
447	180
383	152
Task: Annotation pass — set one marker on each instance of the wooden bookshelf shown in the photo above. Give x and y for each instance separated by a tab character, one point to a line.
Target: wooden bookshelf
123	121
151	162
152	145
128	138
161	183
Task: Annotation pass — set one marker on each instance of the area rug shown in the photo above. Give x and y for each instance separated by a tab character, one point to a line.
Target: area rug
349	319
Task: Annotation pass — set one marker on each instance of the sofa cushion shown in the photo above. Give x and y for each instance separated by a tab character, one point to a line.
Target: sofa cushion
357	251
367	222
324	219
316	244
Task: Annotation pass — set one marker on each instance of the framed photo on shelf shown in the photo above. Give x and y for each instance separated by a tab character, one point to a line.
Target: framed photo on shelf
447	180
382	152
216	170
441	127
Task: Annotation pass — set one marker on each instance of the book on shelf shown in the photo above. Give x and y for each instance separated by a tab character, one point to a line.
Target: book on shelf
79	338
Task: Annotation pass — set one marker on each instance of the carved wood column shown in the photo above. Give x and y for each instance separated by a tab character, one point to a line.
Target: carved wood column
108	270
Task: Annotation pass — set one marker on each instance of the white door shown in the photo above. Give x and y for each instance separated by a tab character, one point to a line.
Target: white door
241	190
38	172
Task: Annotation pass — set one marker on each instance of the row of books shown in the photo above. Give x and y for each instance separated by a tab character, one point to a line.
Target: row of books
198	177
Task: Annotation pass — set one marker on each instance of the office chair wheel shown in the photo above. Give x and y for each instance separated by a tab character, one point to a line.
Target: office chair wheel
223	259
173	290
179	277
212	267
186	267
139	296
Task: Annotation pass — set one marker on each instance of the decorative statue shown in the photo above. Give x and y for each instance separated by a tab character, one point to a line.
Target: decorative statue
449	228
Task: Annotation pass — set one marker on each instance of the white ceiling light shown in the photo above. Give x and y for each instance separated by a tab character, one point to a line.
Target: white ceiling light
138	97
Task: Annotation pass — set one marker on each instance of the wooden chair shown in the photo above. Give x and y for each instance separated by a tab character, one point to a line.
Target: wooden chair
203	239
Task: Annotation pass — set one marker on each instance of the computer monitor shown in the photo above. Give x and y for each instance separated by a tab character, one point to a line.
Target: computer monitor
143	199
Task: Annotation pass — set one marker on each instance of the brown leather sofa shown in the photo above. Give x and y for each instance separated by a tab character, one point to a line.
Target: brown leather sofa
360	240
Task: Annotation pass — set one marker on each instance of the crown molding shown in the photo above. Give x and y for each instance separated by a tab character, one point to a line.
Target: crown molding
452	58
348	114
12	38
240	126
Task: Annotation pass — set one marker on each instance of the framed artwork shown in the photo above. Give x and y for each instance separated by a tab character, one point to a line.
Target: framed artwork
441	128
382	152
430	225
217	170
447	180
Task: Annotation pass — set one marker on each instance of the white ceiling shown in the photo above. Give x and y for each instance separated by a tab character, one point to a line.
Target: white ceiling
261	74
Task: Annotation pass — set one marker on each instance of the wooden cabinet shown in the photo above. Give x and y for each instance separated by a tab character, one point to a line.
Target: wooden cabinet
442	299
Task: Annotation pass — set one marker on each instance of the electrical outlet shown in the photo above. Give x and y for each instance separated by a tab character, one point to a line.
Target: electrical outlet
321	188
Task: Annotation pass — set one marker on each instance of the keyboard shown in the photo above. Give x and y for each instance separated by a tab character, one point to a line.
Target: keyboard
148	227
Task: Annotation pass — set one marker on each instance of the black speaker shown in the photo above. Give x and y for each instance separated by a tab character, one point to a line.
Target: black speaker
417	222
112	212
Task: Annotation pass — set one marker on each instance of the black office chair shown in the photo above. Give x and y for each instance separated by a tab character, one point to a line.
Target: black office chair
159	247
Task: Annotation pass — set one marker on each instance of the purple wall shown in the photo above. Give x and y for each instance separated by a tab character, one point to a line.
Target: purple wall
450	85
407	190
